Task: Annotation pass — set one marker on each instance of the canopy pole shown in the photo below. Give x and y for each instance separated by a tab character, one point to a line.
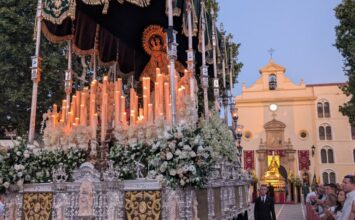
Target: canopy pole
191	55
68	77
172	55
204	68
224	56
215	79
35	73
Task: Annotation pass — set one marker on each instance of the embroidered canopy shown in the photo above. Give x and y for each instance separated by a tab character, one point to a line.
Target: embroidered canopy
113	29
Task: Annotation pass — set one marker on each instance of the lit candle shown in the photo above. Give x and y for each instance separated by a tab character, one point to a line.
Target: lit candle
117	107
150	113
166	98
123	109
132	120
55	109
94	126
156	100
77	107
77	122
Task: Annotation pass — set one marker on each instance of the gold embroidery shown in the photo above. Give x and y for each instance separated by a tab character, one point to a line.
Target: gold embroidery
37	206
143	205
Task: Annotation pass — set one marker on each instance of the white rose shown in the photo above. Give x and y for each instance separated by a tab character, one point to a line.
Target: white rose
20	182
192	154
160	177
172	172
18	153
169	156
30	146
17	167
6	185
19	174
162	168
177	152
182	182
26	155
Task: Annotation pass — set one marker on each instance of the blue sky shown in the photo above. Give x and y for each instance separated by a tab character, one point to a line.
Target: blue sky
301	32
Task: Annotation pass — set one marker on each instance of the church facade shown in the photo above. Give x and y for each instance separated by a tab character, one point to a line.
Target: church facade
300	124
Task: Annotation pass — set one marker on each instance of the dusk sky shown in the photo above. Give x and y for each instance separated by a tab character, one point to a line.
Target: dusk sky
301	33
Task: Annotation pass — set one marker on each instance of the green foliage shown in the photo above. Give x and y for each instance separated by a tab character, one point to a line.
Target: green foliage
345	42
212	4
17	21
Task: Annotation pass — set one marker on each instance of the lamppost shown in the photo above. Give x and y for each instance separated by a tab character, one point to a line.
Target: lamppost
237	132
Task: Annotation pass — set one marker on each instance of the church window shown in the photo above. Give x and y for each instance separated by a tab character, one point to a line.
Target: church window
329	177
325	178
321	133
353	132
272	82
325	132
323	109
327	155
320	110
323	155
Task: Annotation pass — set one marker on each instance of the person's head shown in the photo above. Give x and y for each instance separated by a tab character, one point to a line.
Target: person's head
331	200
349	183
341	196
321	190
263	190
314	188
330	188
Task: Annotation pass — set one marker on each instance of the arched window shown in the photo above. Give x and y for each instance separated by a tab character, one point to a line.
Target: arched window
327	155
323	109
329	176
272	82
321	133
353	132
325	132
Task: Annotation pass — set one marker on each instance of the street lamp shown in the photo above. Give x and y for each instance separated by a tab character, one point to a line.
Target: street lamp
313	150
238	137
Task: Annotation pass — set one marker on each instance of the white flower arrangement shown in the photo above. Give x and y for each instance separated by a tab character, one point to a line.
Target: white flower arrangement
219	137
25	163
181	158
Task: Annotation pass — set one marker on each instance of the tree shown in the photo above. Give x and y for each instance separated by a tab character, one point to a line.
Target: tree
345	42
17	21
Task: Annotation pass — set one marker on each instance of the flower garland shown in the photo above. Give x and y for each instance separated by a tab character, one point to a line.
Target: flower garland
26	163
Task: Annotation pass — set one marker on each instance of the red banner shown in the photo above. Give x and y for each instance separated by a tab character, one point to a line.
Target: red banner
248	159
280	153
303	159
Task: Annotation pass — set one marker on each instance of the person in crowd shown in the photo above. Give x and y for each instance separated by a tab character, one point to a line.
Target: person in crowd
264	208
311	196
271	190
329	207
305	191
340	203
349	189
330	188
320	200
2	207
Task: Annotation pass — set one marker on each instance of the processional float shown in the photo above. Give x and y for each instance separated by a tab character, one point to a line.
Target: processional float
140	37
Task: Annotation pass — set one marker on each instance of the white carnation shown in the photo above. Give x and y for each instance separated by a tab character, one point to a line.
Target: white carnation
6	185
169	156
172	172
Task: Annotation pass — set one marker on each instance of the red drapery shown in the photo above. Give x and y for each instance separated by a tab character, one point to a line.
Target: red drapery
303	159
248	159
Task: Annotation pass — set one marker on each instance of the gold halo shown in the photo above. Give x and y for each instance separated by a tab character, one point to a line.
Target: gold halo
154	39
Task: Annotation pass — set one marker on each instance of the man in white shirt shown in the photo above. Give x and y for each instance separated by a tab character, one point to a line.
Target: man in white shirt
349	189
